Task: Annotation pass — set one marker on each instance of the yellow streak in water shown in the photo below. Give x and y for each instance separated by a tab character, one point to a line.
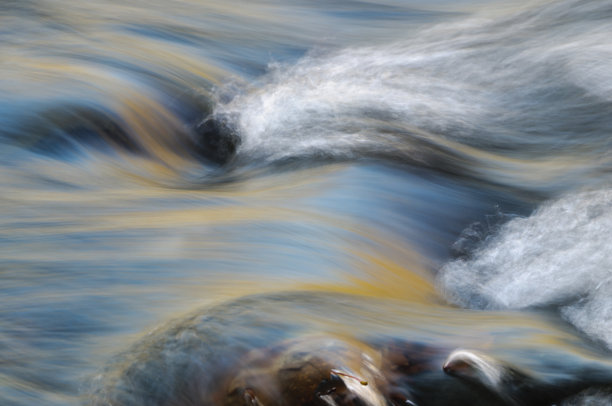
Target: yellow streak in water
382	277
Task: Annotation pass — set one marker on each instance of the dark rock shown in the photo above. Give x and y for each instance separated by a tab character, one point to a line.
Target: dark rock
216	139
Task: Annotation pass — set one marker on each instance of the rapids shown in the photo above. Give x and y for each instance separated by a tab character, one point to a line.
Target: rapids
186	185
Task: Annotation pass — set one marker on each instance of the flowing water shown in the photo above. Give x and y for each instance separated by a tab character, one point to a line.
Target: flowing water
435	172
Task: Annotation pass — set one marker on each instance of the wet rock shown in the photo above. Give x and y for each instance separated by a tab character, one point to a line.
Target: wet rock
281	350
515	387
216	139
309	372
320	371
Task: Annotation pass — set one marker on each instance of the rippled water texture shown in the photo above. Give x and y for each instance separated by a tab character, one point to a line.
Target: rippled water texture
193	192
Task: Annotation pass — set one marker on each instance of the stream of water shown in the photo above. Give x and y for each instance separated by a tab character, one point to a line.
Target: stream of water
185	182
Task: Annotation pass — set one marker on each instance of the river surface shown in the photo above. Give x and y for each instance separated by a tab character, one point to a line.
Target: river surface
432	171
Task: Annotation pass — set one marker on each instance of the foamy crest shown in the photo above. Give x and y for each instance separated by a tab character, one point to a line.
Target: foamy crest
559	256
504	99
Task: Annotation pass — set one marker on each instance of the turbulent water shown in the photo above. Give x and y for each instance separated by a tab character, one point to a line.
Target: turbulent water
185	182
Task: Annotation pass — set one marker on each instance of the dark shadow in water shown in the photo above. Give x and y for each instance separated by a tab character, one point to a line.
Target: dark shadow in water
60	131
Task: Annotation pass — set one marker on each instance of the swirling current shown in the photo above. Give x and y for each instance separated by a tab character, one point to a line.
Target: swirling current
297	202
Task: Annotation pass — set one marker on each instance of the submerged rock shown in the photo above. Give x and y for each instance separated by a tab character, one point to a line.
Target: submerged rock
294	349
310	371
515	387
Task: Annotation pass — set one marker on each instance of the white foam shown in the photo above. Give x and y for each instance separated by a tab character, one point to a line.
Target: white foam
482	368
334	105
511	96
560	256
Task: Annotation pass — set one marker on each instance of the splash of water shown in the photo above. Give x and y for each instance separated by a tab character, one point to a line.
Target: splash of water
519	101
557	257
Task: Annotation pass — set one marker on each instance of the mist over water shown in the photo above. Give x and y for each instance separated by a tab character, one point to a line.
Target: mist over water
193	190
